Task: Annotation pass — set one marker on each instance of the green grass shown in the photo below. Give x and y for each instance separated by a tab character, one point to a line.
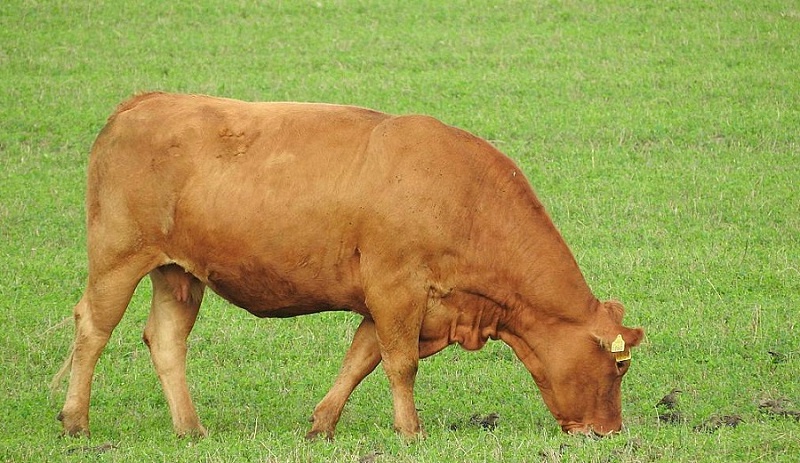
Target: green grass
662	137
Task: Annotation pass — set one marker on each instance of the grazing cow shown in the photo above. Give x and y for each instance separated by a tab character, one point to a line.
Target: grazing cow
284	209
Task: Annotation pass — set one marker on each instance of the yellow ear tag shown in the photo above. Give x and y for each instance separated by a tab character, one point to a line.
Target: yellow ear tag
622	356
618	345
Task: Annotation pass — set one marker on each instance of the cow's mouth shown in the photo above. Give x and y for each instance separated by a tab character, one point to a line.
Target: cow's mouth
588	430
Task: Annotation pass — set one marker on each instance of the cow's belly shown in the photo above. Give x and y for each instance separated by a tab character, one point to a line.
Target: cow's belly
297	276
266	292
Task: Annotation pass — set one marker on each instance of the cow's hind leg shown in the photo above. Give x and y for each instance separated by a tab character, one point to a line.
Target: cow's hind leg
96	315
176	300
361	359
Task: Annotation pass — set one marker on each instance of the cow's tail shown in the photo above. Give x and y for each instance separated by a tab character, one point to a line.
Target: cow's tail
55	384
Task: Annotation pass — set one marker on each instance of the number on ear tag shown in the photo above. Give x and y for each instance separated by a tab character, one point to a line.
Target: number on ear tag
618	345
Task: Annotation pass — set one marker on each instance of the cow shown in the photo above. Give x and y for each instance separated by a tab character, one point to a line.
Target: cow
428	232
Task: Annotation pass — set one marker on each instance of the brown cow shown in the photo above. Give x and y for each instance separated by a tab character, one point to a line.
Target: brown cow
285	209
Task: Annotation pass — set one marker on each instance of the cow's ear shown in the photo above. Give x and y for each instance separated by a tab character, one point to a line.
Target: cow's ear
632	336
621	340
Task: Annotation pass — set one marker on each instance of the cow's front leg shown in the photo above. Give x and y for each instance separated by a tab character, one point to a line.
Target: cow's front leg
176	301
401	369
361	359
398	338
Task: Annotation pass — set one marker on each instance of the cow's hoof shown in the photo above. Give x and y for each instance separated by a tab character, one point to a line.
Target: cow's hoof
314	435
411	437
76	432
72	428
192	433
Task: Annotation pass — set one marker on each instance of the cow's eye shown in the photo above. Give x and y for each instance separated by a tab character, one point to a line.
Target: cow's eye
622	366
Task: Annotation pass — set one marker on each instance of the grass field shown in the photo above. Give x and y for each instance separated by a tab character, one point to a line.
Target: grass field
663	137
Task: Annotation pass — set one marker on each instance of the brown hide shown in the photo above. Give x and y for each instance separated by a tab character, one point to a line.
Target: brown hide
428	232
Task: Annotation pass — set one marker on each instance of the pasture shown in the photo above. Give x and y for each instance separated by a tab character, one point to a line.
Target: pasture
663	138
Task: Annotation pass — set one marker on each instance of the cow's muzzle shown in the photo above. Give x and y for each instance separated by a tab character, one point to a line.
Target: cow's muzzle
589	430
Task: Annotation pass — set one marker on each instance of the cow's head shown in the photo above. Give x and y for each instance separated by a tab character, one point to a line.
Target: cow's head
578	367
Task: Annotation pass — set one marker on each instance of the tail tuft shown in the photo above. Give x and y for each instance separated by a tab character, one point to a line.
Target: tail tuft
55	384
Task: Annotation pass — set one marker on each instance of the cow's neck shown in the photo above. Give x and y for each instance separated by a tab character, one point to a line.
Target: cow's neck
532	269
